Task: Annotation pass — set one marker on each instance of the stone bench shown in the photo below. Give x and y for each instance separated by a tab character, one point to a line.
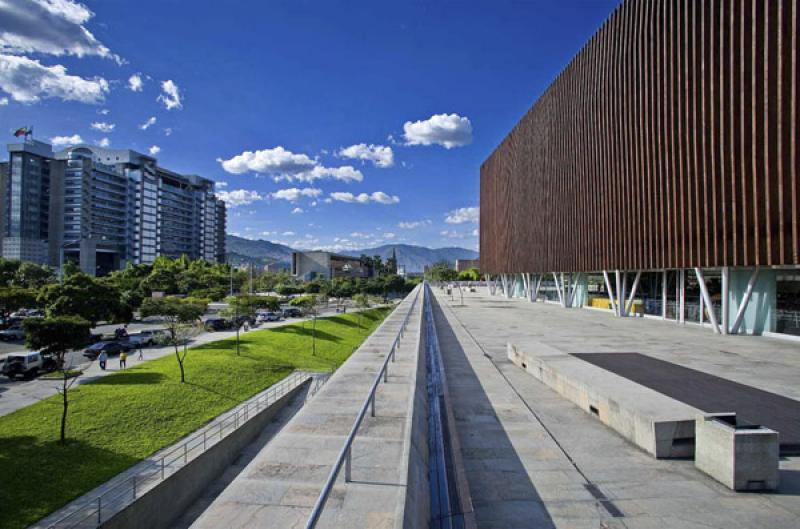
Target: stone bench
658	424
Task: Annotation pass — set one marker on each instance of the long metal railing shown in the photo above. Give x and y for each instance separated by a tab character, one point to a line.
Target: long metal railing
110	502
345	455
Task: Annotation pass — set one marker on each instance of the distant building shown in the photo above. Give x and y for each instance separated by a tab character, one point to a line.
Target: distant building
465	264
311	265
104	208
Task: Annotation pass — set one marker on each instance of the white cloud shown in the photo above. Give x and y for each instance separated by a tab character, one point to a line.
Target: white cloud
360	235
28	81
63	141
154	149
475	232
295	211
379	155
239	197
288	234
364	198
463	215
283	164
170	95
451	234
3	101
413	224
135	82
149	123
293	194
103	126
104	111
448	130
389	235
104	142
52	27
220	184
168	131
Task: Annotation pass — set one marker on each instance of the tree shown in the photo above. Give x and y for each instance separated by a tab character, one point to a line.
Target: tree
240	308
13	298
31	275
8	270
310	304
57	336
180	318
84	296
441	271
362	302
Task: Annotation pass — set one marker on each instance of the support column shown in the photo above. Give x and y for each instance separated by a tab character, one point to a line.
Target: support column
664	295
610	293
707	299
726	288
682	295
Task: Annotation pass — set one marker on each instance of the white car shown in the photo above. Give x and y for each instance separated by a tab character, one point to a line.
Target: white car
146	338
26	365
12	334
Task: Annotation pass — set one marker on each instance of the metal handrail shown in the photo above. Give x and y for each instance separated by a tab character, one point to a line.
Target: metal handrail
345	455
105	505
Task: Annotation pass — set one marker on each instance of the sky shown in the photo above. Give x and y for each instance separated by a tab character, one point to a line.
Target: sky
338	125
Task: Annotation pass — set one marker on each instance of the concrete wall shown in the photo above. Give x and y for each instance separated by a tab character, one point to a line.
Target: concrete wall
417	507
160	506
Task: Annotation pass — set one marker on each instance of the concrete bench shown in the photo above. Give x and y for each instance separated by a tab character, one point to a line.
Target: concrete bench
740	456
658	424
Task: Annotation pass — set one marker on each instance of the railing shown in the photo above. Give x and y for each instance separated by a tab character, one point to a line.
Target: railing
345	455
112	501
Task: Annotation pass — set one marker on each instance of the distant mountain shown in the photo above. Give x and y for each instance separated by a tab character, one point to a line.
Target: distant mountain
260	252
415	258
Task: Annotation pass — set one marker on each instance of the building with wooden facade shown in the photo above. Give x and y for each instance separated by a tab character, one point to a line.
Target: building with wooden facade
665	152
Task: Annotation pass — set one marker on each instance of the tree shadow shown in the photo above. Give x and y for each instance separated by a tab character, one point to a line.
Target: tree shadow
128	378
339	320
40	476
211	390
321	335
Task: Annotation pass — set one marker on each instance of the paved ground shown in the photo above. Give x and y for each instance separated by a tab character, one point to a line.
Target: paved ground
19	393
279	487
535	460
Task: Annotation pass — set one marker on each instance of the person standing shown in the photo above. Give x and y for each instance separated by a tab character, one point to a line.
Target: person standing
102	359
141	353
123	359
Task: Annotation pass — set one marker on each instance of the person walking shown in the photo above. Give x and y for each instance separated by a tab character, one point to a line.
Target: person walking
102	359
141	354
123	359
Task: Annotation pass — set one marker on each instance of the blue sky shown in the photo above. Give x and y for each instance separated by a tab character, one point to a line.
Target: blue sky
333	124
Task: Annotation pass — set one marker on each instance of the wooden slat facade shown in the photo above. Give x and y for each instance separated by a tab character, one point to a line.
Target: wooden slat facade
669	141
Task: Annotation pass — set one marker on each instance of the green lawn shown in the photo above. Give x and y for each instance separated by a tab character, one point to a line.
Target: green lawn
124	417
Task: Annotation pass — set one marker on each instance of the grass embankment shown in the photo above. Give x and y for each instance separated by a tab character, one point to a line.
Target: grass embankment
118	420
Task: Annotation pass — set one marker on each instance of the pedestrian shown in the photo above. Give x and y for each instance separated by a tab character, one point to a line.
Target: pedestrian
123	359
102	359
246	326
141	353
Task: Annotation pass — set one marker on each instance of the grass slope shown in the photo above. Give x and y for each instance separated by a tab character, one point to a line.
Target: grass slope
122	418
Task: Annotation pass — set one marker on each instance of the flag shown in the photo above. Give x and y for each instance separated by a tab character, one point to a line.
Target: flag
22	131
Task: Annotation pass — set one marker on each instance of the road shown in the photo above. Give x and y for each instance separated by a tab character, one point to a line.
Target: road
20	393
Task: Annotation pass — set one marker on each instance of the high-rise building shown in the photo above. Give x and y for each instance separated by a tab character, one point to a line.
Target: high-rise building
103	208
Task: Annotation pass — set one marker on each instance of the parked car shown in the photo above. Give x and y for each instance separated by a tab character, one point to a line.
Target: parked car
12	334
268	316
216	324
110	348
292	312
147	337
27	365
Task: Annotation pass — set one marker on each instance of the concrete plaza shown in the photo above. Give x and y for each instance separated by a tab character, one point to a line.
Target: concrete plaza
536	460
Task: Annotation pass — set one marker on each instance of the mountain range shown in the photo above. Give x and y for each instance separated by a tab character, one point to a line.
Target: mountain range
414	258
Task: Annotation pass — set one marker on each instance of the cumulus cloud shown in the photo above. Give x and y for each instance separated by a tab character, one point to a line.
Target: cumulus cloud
104	142
64	141
52	27
28	81
463	215
168	131
153	150
447	130
293	194
239	197
288	234
379	155
220	184
413	224
283	164
149	123
363	198
295	211
170	95
135	82
450	234
103	126
3	101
